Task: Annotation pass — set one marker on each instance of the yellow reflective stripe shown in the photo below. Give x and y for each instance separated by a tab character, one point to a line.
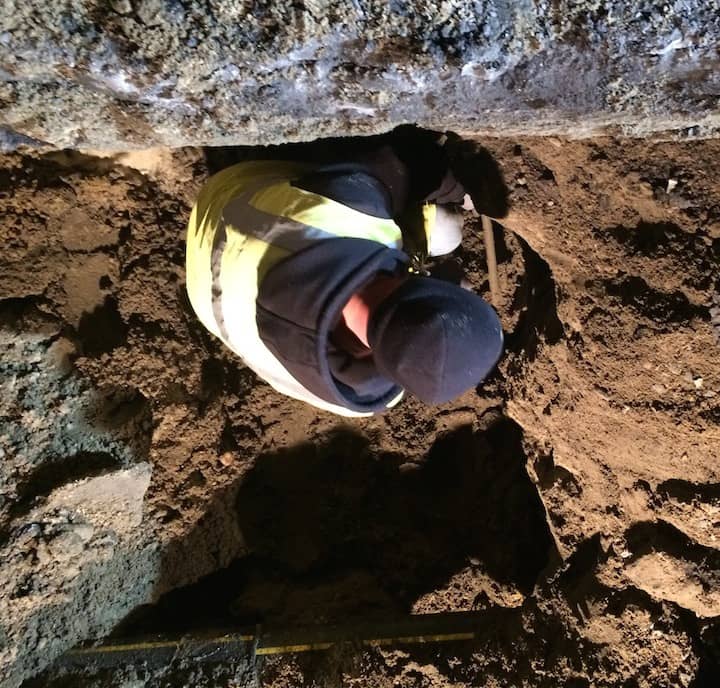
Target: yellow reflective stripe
198	275
222	187
336	219
429	221
205	218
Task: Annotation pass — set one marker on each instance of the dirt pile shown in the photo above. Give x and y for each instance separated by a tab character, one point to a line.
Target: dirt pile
575	495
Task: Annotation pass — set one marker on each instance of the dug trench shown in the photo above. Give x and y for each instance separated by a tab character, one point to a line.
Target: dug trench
575	491
338	531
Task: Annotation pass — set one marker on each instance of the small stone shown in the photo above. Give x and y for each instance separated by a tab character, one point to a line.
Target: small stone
521	181
626	554
659	389
66	545
646	189
685	679
58	355
550	204
121	6
84	531
108	540
671	185
227	459
70	571
698	382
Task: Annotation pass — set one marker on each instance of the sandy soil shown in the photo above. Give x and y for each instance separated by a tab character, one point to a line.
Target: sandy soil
577	493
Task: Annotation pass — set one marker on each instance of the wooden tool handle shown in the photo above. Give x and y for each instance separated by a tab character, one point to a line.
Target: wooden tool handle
491	259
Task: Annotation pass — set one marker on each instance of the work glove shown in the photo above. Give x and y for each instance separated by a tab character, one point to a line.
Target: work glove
476	169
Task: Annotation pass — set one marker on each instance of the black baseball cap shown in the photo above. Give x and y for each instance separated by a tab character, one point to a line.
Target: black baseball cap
435	339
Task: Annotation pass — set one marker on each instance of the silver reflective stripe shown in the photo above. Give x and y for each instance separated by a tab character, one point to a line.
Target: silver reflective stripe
273	229
277	230
218	248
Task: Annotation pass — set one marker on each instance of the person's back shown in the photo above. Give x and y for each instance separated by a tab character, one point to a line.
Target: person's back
298	269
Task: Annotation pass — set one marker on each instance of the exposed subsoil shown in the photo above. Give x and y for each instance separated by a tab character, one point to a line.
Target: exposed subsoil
576	493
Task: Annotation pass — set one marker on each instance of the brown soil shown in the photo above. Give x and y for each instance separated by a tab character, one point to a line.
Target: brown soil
578	489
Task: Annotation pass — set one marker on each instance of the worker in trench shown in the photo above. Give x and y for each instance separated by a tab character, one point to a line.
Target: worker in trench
313	273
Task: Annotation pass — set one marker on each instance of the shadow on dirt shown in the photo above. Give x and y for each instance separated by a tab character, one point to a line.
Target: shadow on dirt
660	536
657	306
101	330
708	675
696	253
689	492
335	531
536	298
654	239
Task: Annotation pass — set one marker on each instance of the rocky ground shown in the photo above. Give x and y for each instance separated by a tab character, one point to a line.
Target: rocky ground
575	497
139	73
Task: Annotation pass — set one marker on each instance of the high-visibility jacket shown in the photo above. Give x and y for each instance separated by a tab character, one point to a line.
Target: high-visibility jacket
248	218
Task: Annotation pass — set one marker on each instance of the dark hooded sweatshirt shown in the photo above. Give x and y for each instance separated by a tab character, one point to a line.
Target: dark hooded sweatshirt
301	298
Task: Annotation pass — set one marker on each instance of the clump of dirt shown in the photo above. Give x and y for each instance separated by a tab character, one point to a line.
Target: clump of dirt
575	494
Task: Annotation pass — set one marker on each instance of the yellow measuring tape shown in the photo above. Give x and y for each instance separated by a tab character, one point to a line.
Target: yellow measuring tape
415	629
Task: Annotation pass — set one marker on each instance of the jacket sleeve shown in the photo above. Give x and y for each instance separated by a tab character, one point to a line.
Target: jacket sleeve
410	163
396	178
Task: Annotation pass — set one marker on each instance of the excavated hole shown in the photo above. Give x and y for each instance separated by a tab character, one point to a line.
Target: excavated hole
340	527
688	492
336	531
659	536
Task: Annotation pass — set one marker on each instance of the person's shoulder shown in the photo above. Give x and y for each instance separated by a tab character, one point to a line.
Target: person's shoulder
356	189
